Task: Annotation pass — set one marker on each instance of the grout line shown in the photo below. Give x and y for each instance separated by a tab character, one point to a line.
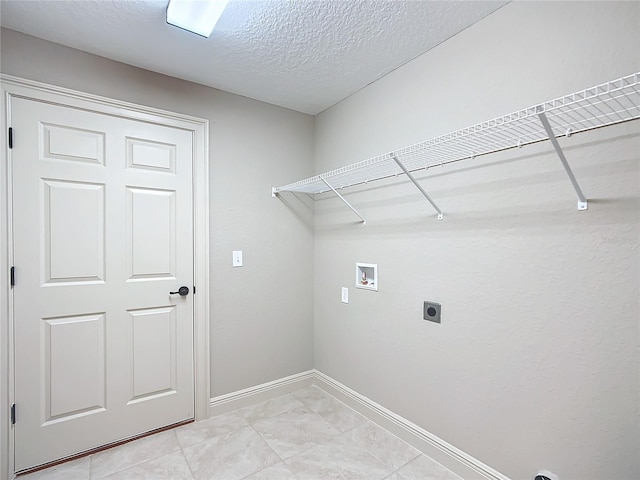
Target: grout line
357	425
473	466
377	425
186	460
133	441
91	452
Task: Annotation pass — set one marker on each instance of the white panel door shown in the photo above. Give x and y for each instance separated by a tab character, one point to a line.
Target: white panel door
103	232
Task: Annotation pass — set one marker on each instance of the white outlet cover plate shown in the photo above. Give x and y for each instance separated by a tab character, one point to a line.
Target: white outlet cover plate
345	295
237	258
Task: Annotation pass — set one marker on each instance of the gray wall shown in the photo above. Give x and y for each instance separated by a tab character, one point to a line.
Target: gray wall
536	362
262	313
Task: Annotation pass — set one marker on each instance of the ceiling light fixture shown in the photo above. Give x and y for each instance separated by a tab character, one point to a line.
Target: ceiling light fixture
197	16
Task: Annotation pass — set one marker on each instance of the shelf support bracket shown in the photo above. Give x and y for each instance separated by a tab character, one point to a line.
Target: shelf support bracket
582	201
364	222
415	182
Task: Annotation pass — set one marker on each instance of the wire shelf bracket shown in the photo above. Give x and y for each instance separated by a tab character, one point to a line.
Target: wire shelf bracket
364	222
610	103
582	201
418	186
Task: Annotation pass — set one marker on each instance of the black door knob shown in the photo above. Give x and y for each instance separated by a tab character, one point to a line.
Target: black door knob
182	291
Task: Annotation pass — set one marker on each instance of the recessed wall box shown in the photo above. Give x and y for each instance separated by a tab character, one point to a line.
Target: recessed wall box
431	311
367	276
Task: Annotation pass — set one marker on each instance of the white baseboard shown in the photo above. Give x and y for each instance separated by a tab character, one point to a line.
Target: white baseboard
459	462
260	393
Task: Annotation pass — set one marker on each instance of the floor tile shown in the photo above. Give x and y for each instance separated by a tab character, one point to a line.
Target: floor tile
336	413
342	459
168	467
232	456
129	454
213	427
279	471
424	468
387	447
294	432
75	469
317	436
271	408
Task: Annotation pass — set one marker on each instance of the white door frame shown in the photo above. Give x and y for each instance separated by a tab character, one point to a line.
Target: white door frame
17	87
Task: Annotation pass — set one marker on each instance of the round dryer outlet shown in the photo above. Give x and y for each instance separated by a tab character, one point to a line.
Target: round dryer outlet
546	475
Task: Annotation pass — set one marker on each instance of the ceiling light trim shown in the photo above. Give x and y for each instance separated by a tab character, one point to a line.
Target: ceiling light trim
196	16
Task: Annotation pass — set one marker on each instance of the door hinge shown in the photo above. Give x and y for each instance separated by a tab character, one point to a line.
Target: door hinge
13	414
194	289
10	137
12	276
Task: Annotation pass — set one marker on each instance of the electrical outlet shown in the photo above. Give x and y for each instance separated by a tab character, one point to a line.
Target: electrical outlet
431	311
237	258
345	295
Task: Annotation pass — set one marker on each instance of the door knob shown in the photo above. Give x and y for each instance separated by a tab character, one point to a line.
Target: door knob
182	291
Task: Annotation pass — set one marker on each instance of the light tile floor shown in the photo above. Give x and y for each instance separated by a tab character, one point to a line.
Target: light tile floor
304	435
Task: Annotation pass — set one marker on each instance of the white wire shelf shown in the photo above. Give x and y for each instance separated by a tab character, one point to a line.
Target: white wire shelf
610	103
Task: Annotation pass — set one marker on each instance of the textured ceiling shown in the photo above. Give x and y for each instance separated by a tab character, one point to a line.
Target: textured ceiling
304	55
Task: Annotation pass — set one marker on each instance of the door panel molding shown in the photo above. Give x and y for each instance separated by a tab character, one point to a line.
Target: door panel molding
15	87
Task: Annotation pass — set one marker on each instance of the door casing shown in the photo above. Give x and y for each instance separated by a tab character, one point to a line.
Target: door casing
10	87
